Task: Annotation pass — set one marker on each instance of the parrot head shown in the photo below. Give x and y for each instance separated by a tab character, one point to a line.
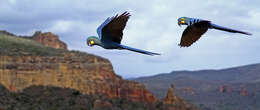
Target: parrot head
183	21
92	40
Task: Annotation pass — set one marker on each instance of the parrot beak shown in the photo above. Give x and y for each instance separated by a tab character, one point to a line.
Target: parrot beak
179	24
91	43
87	43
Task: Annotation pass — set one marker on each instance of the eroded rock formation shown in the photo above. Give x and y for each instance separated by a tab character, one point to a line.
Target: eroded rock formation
87	73
31	75
172	99
49	39
225	89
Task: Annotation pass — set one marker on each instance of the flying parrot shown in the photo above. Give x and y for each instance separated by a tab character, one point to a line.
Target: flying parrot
197	27
110	34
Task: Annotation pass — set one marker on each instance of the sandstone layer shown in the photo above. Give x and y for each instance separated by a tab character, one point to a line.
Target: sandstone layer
49	39
86	73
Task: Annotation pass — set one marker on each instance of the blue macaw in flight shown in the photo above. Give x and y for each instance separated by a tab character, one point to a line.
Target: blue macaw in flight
110	34
197	27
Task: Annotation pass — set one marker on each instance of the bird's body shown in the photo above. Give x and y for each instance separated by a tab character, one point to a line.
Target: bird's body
197	27
111	33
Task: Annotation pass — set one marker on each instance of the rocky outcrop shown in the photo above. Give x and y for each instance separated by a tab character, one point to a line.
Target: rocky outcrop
49	39
70	79
61	68
84	72
225	89
173	102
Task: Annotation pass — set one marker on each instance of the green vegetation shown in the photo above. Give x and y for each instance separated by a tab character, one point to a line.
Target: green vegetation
15	46
56	98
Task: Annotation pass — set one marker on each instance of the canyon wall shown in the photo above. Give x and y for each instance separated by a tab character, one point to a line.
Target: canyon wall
86	73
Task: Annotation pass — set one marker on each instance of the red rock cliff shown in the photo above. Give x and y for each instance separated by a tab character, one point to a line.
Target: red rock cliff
172	99
87	73
49	39
173	102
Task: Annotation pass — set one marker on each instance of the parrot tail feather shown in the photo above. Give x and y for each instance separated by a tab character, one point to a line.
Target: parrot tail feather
138	50
214	26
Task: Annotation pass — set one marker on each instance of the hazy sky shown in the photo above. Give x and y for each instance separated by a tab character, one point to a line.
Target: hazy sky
152	26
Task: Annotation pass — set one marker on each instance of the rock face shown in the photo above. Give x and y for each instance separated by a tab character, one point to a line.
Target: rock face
49	39
38	77
225	89
172	99
61	68
84	72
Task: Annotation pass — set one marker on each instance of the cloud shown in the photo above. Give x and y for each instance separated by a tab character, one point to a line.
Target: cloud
152	26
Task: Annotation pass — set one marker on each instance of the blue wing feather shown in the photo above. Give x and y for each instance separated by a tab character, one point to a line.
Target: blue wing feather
99	29
139	50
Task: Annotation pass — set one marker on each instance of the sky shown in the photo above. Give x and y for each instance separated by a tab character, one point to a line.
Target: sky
152	26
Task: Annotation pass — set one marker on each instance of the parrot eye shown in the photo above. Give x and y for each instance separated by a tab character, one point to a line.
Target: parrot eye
183	22
92	42
182	19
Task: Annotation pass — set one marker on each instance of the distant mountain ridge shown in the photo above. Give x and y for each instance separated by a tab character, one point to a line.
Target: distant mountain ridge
246	73
216	89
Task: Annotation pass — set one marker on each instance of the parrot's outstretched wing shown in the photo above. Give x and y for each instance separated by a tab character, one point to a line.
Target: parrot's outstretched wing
214	26
193	32
138	50
114	29
99	29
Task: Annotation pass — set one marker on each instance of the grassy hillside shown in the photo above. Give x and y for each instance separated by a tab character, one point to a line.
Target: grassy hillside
11	45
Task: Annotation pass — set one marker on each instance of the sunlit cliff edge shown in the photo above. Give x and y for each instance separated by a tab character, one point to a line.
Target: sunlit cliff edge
27	61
